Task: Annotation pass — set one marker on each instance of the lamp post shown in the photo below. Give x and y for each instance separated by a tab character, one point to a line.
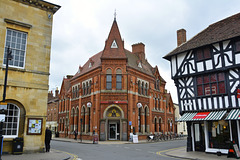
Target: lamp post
9	57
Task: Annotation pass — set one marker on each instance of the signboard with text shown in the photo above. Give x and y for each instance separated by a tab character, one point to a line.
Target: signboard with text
201	115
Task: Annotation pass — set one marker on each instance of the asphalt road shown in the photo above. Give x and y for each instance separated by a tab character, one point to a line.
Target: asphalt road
144	151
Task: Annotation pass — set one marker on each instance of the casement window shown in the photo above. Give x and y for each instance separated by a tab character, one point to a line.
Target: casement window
17	41
139	87
109	79
203	54
146	89
145	119
11	124
90	83
237	46
155	124
119	79
211	84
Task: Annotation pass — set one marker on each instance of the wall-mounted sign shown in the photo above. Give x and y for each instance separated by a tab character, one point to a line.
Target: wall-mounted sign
34	126
201	115
139	105
3	106
89	104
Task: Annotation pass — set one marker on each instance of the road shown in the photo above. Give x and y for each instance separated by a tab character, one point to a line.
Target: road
143	151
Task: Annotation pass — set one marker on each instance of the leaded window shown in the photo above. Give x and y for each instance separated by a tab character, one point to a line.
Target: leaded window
211	84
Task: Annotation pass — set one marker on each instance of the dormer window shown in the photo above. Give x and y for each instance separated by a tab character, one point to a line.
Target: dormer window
114	44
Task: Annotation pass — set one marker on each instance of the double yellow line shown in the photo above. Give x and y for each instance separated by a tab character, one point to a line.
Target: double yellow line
75	157
160	152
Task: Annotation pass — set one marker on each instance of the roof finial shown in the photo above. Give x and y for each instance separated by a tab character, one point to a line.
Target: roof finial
115	15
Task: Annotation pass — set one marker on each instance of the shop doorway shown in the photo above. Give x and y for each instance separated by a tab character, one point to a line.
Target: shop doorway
114	131
199	136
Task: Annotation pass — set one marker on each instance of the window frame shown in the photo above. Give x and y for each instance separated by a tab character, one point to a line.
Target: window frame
13	117
21	51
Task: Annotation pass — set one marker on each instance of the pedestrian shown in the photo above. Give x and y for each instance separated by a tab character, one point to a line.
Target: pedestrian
75	134
48	138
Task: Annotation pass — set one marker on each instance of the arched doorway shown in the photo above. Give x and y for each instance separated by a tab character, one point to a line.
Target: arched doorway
113	126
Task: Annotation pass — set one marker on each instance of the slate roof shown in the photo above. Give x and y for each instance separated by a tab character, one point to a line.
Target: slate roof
222	30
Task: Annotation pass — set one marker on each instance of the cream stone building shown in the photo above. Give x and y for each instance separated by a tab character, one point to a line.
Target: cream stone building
26	27
181	126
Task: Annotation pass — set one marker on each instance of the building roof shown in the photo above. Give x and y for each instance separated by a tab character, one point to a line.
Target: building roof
222	30
115	53
114	45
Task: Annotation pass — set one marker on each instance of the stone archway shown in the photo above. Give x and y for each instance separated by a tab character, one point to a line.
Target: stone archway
113	126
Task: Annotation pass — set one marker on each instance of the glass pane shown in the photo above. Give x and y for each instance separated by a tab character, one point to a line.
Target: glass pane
206	79
237	46
109	78
221	87
199	80
206	53
197	132
221	77
200	90
14	132
119	78
214	88
199	54
109	85
119	85
207	90
213	78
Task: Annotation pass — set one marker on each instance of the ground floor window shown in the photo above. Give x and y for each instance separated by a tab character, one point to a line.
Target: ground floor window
219	134
11	124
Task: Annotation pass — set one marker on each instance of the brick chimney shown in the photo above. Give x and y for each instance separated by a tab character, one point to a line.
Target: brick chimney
181	36
139	50
56	92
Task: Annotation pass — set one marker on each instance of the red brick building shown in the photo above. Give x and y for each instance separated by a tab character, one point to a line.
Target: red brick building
52	111
115	93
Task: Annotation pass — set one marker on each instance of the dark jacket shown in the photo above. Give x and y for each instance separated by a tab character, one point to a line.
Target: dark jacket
48	135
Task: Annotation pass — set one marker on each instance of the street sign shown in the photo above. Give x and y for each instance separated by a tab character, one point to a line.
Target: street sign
130	123
3	106
2	117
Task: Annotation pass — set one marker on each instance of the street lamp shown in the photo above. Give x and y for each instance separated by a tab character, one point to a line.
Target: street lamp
2	109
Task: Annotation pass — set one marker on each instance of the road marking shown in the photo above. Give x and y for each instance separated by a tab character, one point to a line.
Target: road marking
151	152
75	157
138	149
159	153
126	147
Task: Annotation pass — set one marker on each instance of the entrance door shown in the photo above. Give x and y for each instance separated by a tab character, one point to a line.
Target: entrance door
199	137
113	131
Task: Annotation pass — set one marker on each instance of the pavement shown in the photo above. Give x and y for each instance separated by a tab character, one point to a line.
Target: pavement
61	155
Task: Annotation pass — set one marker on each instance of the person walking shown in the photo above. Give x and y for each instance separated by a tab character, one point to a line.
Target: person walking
48	138
75	134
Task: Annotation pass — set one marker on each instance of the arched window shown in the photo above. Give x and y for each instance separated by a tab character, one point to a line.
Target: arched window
155	124
146	89
89	118
143	88
83	88
158	104
11	124
155	104
83	119
139	87
139	120
72	117
145	119
119	79
109	79
87	88
90	86
160	123
73	93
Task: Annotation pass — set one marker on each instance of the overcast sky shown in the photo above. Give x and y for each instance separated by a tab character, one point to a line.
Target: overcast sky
81	27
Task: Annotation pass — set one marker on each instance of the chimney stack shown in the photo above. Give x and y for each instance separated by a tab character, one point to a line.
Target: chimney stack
56	92
181	36
139	50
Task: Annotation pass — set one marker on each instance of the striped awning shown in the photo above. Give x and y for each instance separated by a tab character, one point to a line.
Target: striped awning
187	117
203	116
233	114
